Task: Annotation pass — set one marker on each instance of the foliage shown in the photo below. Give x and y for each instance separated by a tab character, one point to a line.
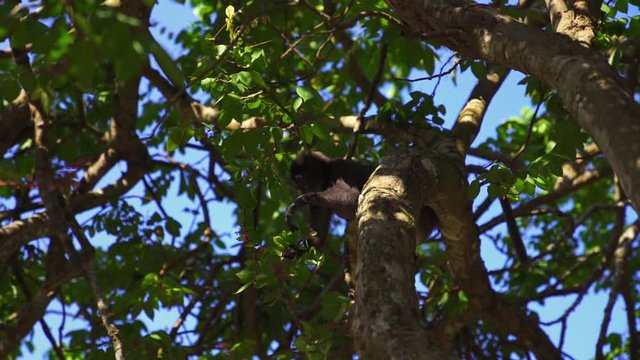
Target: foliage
156	196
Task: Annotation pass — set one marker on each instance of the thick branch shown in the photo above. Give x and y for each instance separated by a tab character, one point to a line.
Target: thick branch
447	197
386	322
387	211
15	121
470	118
589	88
577	21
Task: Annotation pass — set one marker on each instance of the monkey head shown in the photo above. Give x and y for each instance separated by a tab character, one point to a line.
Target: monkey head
309	171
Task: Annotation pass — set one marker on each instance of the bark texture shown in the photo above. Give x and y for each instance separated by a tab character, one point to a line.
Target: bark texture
386	323
590	89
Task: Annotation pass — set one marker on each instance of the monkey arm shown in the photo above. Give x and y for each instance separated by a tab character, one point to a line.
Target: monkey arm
340	198
319	222
293	207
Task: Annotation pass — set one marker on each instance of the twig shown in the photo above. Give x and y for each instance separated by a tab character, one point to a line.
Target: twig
514	232
530	131
620	263
431	77
194	301
455	64
90	273
63	217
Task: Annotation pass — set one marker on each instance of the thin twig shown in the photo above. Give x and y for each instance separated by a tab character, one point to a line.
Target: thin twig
431	77
90	273
621	257
530	131
514	232
455	64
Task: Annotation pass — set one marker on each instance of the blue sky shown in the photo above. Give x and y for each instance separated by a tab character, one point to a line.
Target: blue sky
583	325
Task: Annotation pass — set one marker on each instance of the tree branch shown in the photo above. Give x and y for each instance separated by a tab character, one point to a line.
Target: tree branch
585	82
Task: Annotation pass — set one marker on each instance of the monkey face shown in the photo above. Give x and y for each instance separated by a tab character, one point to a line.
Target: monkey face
309	172
307	179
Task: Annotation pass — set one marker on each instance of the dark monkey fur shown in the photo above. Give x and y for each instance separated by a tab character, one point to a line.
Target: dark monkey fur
333	186
328	186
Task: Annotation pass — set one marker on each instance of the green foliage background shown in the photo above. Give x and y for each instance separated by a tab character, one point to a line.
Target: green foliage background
291	65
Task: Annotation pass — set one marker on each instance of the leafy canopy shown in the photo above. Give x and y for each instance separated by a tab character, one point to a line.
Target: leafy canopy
172	149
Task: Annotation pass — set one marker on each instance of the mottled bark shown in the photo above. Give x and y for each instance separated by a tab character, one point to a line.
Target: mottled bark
386	322
590	89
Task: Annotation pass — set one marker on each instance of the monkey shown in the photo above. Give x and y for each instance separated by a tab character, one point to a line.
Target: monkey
327	186
333	186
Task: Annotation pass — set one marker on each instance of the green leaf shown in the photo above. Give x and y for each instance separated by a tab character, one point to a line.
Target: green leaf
242	288
173	227
245	275
24	165
280	242
258	79
230	108
20	36
148	309
319	131
462	297
473	190
129	63
334	305
9	88
167	65
306	93
307	134
297	103
243	77
277	134
555	166
254	104
494	191
443	299
150	280
178	136
622	6
82	66
258	55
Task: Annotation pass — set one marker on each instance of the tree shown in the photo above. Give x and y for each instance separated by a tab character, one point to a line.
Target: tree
115	154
